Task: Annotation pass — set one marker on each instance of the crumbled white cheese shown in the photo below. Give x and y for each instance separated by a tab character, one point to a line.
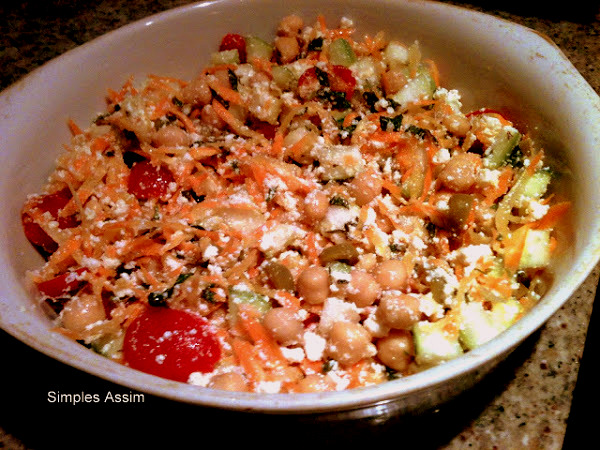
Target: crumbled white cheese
470	255
450	97
441	156
314	346
337	310
294	355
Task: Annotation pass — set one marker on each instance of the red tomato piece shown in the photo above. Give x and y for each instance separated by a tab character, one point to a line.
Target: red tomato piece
232	41
308	83
171	343
63	284
266	129
147	181
53	204
37	236
342	80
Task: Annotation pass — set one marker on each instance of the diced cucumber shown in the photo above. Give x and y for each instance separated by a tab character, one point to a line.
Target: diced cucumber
109	346
367	72
243	296
436	342
503	145
536	252
395	54
341	53
537	184
478	325
225	57
339	271
284	77
258	48
420	87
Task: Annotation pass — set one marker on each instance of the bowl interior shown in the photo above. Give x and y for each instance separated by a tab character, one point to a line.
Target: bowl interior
493	63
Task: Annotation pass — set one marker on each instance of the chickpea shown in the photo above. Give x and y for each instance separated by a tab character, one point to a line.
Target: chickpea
290	25
457	124
229	381
315	382
396	350
399	311
284	324
171	136
365	187
316	205
221	77
209	116
313	284
349	342
392	274
392	81
363	289
197	92
82	311
287	47
461	172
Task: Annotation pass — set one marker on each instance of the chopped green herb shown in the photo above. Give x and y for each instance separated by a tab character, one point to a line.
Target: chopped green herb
208	294
336	200
392	374
160	298
329	365
156	215
177	102
190	194
417	131
270	194
315	45
371	99
396	247
337	99
395	122
347	131
515	158
431	229
233	79
322	77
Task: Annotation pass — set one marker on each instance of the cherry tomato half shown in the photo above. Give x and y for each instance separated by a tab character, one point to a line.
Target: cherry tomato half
62	284
147	181
170	343
234	41
342	80
53	204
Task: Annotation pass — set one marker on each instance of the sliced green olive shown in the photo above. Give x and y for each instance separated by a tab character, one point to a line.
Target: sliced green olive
460	206
339	252
280	276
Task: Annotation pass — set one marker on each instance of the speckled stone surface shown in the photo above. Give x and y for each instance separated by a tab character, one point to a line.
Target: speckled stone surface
525	403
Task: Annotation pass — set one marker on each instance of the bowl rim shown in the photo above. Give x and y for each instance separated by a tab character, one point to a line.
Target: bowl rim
318	402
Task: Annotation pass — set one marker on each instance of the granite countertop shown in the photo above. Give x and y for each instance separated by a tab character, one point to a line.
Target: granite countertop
525	403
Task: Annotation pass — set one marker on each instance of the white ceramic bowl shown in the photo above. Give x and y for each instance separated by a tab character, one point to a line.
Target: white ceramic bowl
493	62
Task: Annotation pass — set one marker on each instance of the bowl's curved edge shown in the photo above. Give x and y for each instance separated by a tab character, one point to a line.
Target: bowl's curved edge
272	402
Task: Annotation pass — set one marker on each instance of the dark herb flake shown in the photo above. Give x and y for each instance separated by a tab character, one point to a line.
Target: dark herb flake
315	45
160	298
177	102
336	200
394	122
